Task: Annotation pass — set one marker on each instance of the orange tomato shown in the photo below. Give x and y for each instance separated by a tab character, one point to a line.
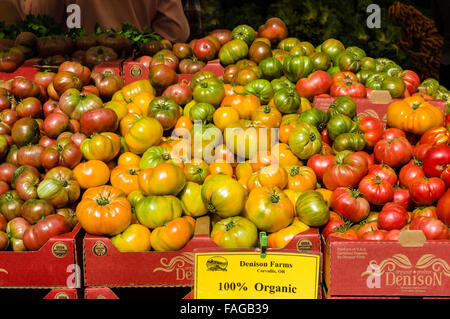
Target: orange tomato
104	210
300	178
273	175
92	173
225	115
284	156
245	104
267	116
142	101
183	126
285	132
221	167
261	159
128	158
125	178
326	193
253	182
231	89
292	195
163	179
244	170
222	152
174	235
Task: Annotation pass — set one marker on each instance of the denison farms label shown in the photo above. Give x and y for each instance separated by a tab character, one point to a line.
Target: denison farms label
238	275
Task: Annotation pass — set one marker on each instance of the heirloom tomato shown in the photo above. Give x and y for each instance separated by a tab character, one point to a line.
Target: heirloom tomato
312	209
414	114
191	198
395	153
269	209
37	235
426	191
432	228
174	235
92	173
125	178
376	190
224	196
349	204
104	210
135	238
235	233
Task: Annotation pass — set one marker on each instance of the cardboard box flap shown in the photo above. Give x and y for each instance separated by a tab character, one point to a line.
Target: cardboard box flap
202	226
412	238
380	97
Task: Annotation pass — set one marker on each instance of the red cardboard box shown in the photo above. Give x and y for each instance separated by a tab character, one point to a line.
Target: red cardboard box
56	265
28	69
410	267
63	294
375	106
113	67
134	71
105	266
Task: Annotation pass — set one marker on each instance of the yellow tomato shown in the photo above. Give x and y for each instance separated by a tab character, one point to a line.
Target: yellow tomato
128	158
136	238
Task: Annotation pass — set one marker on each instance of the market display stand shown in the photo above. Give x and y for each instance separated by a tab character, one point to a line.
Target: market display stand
106	268
56	268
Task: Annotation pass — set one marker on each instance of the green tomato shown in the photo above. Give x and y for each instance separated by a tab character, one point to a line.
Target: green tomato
261	88
271	68
233	51
243	32
312	209
305	141
209	91
202	112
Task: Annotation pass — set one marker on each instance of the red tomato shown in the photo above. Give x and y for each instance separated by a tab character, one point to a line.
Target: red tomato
392	132
436	160
411	171
345	233
372	129
318	82
331	226
445	176
432	228
426	191
403	197
348	169
394	153
443	208
411	79
376	190
385	173
319	164
367	227
379	234
420	150
392	234
392	216
435	136
349	204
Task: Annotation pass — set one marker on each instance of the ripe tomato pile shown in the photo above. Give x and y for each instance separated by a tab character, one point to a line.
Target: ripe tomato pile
139	163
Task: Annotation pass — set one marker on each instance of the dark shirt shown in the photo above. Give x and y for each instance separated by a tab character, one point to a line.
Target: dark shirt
441	12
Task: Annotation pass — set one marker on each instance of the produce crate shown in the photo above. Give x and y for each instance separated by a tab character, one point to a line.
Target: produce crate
113	67
28	69
409	267
376	105
134	71
57	265
105	266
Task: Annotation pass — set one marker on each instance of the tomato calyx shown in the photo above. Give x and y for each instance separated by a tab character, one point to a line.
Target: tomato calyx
275	198
229	225
102	201
294	171
267	109
133	171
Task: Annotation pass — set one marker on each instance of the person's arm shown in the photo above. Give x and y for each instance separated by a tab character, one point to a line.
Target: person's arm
170	21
